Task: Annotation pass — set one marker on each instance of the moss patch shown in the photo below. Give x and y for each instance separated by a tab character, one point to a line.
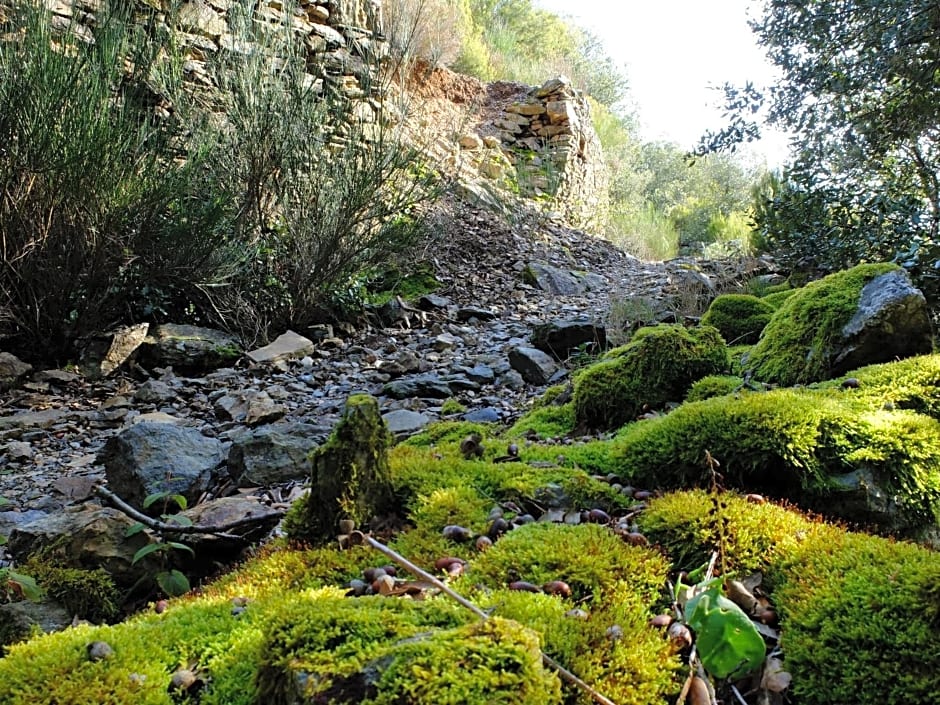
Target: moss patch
823	448
739	318
796	344
713	386
856	610
658	365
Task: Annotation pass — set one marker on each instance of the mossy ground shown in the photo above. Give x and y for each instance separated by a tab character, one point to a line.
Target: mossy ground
858	612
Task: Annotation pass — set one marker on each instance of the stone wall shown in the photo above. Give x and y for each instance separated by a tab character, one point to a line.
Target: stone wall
343	39
550	139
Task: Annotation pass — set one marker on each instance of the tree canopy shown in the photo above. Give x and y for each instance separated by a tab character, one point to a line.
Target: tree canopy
859	91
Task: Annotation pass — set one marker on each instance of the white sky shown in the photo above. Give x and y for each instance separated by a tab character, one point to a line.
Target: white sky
673	50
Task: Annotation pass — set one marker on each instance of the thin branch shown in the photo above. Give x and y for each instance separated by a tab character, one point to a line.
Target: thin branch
220	530
450	592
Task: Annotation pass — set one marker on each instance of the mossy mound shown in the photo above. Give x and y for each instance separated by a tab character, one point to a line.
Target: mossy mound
713	386
832	448
776	298
655	367
739	318
858	612
797	344
86	594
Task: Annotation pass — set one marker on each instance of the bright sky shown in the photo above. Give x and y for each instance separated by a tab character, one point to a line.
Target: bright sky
673	51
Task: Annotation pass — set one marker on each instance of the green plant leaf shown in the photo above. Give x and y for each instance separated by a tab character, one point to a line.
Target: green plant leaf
25	585
179	499
3	540
133	530
150	499
728	643
173	583
147	550
180	546
4	501
179	519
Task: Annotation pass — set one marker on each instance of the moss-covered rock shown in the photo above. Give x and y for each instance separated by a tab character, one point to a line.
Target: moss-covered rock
809	338
827	450
86	594
350	476
856	610
655	367
739	318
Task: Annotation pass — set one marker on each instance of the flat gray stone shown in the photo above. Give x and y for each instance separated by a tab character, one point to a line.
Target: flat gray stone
403	422
147	458
286	346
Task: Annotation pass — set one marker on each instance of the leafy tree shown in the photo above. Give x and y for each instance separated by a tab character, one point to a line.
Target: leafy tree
859	90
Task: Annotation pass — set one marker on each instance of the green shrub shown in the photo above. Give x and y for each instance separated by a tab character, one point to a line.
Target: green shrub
796	345
100	221
655	367
739	318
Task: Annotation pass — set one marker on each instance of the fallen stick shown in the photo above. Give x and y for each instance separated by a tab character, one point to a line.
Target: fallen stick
450	592
220	530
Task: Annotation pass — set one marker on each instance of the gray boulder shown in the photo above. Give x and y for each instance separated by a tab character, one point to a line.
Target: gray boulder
427	385
562	281
85	536
560	338
157	457
20	620
249	406
404	422
188	349
891	321
273	454
12	370
287	346
535	366
103	355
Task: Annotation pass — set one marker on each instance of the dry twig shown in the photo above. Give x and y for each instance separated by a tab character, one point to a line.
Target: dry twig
450	592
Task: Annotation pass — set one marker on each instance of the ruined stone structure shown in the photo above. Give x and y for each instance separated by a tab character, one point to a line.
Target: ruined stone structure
552	141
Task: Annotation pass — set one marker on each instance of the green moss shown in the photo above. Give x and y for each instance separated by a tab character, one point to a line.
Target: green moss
87	594
545	422
738	354
656	366
452	406
713	386
776	299
796	344
590	558
756	535
444	433
350	476
739	318
811	446
393	282
856	610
